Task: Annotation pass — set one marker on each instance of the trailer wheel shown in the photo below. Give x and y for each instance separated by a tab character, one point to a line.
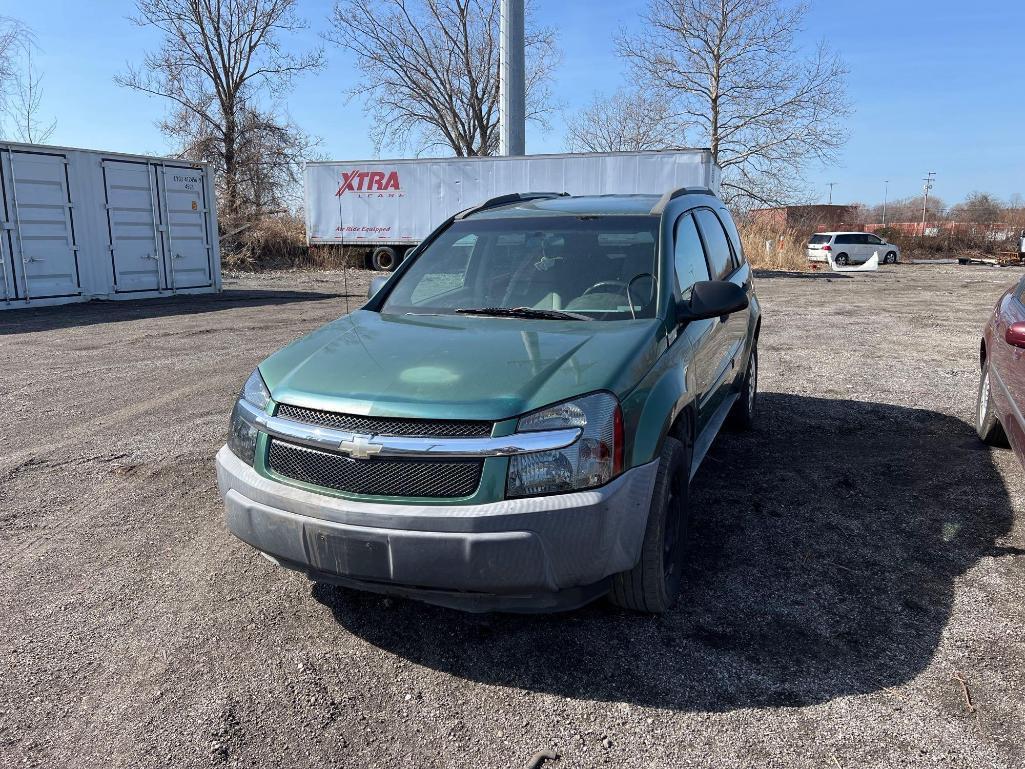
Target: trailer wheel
384	259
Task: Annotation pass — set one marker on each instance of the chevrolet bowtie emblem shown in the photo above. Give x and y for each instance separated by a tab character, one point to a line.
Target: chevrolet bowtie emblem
360	447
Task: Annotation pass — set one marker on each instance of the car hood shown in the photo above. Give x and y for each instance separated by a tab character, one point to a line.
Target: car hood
458	367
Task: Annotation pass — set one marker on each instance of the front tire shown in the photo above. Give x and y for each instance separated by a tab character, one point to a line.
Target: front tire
653	585
890	258
988	427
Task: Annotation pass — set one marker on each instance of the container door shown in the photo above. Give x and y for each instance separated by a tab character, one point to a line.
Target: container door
136	247
8	285
41	227
187	246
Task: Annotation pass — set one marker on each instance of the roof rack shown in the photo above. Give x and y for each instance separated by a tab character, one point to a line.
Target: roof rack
514	197
663	201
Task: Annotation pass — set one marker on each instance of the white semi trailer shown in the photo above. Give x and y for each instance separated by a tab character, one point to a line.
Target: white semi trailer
388	206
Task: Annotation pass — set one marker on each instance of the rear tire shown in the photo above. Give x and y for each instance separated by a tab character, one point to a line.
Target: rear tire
653	585
742	415
384	259
842	259
987	425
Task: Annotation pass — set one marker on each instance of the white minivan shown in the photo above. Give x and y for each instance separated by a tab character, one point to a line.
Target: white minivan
851	248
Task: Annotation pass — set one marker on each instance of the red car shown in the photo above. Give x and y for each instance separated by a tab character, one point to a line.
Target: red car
998	413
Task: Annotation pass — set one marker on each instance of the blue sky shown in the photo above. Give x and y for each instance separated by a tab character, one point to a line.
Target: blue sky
937	85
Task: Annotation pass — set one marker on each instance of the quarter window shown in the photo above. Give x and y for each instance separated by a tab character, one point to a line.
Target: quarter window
717	245
689	255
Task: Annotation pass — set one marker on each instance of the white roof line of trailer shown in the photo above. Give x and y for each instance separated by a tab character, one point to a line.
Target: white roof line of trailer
57	148
509	157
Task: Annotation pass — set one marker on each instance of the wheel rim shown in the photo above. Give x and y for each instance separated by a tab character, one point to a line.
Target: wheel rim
983	407
673	538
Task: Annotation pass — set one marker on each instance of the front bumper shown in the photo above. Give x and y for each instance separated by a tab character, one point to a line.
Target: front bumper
535	553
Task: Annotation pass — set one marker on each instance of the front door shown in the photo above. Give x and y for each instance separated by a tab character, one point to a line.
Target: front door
40	254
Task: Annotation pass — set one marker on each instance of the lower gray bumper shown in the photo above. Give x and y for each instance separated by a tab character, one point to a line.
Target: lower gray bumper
516	554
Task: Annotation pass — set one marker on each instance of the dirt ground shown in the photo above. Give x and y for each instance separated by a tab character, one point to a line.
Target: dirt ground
855	595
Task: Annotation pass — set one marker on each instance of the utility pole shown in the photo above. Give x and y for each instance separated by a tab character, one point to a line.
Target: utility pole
929	180
512	110
831	185
886	194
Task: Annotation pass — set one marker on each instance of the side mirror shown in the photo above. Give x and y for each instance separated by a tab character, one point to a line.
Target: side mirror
376	284
1015	335
712	299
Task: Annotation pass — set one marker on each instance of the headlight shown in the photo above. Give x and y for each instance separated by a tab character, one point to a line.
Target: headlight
594	459
241	435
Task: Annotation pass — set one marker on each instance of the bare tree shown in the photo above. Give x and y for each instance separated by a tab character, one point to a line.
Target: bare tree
14	36
734	69
222	65
430	70
629	120
978	208
24	104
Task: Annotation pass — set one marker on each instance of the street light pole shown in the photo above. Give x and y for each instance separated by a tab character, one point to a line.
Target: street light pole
831	185
886	195
512	80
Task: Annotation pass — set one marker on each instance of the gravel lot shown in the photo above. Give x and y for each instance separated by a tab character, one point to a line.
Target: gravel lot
855	596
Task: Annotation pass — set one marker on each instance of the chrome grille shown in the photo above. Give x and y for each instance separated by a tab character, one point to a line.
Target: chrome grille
377	477
420	428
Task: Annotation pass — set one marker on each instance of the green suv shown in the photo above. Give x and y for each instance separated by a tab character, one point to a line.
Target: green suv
512	420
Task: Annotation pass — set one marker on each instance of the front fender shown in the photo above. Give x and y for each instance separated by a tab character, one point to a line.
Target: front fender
652	407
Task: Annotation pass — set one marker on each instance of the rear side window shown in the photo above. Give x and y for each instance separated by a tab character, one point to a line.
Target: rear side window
818	240
717	245
689	255
845	240
731	230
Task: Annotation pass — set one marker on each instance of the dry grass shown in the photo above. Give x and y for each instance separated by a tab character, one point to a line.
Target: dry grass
279	242
770	248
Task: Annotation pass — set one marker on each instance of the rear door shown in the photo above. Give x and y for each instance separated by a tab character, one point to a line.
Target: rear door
187	241
845	245
1007	368
40	257
133	226
732	330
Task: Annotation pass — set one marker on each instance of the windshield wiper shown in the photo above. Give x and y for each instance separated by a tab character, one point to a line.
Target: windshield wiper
522	312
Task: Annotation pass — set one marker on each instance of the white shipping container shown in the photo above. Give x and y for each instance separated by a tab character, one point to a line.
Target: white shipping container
80	224
399	202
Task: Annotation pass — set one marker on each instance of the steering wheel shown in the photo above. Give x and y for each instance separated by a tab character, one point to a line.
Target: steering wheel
602	284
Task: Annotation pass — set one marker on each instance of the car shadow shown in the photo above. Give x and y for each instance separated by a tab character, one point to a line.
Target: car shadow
825	550
20	321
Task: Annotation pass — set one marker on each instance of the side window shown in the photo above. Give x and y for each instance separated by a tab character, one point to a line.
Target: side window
734	233
844	240
717	245
688	255
874	241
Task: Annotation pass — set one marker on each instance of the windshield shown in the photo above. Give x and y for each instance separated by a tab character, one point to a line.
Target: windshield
551	267
818	239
